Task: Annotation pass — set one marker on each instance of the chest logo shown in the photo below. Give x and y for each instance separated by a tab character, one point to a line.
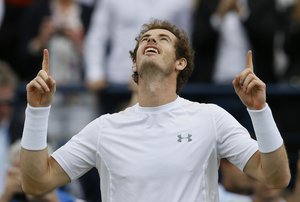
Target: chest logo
185	137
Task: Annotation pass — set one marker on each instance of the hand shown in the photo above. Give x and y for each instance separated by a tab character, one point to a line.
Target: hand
298	164
96	85
13	184
42	88
76	35
225	6
46	31
250	89
296	11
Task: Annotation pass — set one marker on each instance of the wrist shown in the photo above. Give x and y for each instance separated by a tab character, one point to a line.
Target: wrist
258	108
266	131
35	128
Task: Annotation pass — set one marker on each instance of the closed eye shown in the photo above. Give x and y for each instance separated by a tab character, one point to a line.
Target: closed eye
144	39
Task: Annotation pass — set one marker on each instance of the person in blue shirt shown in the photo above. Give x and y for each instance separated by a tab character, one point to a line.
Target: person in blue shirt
13	190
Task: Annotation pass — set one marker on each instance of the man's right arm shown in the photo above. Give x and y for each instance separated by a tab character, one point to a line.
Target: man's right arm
40	172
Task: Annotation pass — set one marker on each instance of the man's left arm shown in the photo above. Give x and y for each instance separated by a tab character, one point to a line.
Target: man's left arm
272	168
270	163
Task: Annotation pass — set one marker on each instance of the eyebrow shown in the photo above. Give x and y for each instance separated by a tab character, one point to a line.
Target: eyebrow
160	35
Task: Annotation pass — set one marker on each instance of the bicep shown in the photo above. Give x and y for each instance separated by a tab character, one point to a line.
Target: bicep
58	175
252	166
40	172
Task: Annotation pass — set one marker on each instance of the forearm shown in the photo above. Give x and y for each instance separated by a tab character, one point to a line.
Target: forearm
271	164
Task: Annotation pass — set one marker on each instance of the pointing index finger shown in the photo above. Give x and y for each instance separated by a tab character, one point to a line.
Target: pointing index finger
45	63
249	60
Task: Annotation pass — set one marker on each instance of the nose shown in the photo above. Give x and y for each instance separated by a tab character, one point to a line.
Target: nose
151	40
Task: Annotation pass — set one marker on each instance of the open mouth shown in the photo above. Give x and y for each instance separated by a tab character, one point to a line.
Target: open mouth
151	50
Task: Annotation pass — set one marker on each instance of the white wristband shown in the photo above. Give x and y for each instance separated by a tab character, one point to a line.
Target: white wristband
35	128
267	134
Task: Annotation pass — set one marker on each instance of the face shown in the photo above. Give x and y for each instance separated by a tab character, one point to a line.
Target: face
156	54
6	102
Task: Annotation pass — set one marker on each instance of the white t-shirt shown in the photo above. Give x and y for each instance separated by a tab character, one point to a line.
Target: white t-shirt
168	153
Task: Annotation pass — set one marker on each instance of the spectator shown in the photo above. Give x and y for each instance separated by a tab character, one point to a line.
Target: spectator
13	190
259	24
292	45
11	30
11	126
294	196
237	186
1	11
233	41
234	185
60	26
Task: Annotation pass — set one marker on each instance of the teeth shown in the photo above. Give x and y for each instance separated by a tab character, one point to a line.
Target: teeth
151	50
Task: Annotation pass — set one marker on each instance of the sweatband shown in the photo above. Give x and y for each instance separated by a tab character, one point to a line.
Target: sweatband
267	134
35	128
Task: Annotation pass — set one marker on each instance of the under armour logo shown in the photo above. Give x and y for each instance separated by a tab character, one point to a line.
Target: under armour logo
188	137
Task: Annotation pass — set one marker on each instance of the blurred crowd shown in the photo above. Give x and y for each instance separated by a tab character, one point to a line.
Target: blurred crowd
89	43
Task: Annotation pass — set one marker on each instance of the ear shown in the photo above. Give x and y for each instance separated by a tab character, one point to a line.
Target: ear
134	69
181	64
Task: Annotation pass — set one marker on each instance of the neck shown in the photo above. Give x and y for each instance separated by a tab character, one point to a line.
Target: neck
156	93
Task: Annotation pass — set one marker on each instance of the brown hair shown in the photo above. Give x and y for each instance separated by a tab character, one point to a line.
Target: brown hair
7	75
182	46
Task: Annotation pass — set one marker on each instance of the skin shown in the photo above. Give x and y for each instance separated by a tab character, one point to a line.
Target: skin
272	169
157	86
7	93
13	186
41	173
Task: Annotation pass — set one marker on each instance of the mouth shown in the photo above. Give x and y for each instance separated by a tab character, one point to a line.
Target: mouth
151	50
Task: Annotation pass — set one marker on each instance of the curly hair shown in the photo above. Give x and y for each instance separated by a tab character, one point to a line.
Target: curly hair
182	46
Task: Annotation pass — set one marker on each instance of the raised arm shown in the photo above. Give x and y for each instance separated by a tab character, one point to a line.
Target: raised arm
40	172
270	164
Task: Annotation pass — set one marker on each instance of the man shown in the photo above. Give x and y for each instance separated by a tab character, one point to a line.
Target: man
112	30
164	148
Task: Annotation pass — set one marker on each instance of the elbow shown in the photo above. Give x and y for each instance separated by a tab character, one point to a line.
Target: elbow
285	180
31	190
280	182
35	189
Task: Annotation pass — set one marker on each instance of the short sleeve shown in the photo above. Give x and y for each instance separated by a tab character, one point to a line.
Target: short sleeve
78	155
233	140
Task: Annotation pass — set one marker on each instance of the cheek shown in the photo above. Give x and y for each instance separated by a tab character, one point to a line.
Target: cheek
171	57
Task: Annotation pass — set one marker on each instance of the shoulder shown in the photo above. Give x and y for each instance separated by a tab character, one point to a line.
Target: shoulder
206	110
121	115
188	104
